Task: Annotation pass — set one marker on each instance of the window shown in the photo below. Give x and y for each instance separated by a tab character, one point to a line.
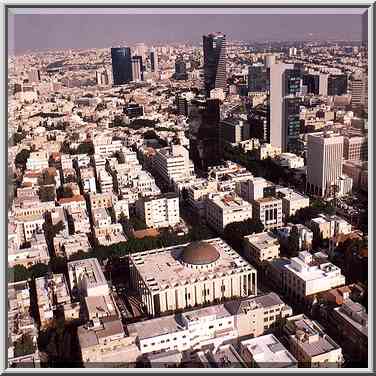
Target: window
266	319
211	327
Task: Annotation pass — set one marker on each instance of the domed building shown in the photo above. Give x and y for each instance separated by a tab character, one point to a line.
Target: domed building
189	275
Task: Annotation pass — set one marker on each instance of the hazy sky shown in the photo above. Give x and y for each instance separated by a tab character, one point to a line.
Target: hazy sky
49	31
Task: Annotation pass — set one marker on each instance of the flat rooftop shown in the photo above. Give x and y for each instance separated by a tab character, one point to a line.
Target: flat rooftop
355	314
155	327
161	268
262	240
267	351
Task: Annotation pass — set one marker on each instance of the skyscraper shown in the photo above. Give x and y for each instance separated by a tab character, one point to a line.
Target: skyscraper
137	68
312	82
153	60
324	161
121	65
214	46
180	68
285	88
359	90
257	78
337	84
205	146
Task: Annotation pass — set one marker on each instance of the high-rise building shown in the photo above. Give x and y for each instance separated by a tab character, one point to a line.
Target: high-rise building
205	146
234	130
337	84
141	50
137	68
269	60
312	83
121	65
359	90
180	68
324	161
259	122
34	75
214	46
153	56
257	78
285	88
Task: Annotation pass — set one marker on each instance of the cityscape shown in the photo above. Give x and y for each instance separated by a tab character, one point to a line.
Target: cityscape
189	204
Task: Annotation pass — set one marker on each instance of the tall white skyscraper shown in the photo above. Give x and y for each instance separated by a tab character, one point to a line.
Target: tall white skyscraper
136	69
324	161
141	50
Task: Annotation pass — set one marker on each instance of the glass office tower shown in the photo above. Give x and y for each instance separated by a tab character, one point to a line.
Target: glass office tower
214	46
121	65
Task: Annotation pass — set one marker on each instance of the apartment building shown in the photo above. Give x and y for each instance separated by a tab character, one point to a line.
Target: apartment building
173	163
71	244
52	293
258	315
351	323
355	148
37	161
266	352
261	247
87	276
36	252
160	211
269	211
104	341
292	201
310	345
197	194
306	275
105	182
225	208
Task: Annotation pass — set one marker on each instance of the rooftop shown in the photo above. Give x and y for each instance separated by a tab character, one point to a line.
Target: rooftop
262	240
267	351
161	268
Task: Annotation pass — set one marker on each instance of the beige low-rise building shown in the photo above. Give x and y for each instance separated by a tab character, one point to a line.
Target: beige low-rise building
269	211
266	352
87	276
225	208
103	342
292	201
261	247
310	345
188	275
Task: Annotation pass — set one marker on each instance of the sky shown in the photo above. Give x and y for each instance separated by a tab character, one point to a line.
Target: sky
101	29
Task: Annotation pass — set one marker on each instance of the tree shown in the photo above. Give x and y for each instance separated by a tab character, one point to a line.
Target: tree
38	270
294	241
23	346
234	232
22	157
149	135
58	264
18	273
86	148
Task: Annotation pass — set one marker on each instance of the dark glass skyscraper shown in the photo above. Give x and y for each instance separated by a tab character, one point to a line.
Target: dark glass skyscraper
257	78
337	84
153	60
204	133
285	100
312	82
214	46
121	65
180	69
